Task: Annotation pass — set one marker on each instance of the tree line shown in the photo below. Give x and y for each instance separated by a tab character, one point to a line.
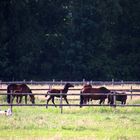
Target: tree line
69	39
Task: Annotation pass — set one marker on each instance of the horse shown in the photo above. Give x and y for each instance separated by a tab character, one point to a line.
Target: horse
57	92
95	94
18	91
120	96
86	86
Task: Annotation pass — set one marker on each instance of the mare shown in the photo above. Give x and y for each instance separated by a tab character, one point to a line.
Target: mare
120	96
93	94
18	91
56	93
86	86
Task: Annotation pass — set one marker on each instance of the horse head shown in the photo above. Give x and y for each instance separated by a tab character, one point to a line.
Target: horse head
68	85
32	99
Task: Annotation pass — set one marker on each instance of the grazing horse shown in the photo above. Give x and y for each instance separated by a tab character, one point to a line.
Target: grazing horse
94	94
18	91
57	92
120	96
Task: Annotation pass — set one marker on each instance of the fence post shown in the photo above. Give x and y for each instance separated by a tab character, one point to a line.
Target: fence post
61	107
114	99
83	81
112	82
122	83
31	82
0	84
131	92
11	101
50	86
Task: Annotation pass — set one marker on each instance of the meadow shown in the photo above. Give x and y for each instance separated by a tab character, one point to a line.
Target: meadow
99	123
94	123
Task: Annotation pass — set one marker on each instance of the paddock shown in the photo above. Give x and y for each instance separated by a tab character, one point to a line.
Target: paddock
40	89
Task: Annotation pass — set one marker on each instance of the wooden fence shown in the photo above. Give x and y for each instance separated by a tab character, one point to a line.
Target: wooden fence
61	105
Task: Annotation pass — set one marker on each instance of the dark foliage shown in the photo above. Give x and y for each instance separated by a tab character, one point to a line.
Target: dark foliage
69	39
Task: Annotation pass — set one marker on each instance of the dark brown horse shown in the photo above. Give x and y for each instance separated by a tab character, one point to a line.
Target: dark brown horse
57	92
84	87
18	91
93	94
120	96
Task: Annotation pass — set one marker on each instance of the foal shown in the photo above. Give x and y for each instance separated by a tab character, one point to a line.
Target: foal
57	92
120	96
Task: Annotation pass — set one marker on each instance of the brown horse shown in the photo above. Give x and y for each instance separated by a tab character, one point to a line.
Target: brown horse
120	96
22	89
93	94
57	92
84	87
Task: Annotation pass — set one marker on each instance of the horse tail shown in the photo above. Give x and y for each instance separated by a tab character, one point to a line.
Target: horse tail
81	99
47	93
8	95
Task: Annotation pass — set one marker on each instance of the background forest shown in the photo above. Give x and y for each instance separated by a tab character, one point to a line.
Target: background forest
69	39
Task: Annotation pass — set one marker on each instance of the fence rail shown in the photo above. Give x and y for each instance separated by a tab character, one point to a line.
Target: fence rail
46	89
61	105
70	94
72	105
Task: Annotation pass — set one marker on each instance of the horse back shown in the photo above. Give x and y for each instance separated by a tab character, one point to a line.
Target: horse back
121	97
54	91
95	90
96	93
20	88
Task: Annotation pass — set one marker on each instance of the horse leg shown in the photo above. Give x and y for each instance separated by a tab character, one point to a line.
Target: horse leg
48	101
25	99
100	102
20	99
17	99
12	99
123	102
81	100
53	101
65	98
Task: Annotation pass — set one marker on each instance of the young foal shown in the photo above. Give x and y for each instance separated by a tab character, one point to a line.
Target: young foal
57	92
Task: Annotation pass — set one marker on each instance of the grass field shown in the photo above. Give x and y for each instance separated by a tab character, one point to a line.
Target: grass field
39	123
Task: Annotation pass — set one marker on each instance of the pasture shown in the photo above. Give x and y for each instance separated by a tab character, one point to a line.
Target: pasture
94	123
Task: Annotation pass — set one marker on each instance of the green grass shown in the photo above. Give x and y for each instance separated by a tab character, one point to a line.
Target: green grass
75	123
